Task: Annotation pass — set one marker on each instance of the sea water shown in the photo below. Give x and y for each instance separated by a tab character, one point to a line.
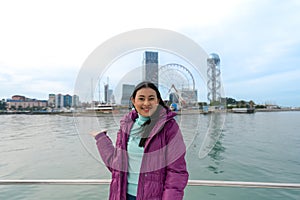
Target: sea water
259	147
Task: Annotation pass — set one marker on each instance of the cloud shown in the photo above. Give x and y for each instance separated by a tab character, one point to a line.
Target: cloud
258	47
44	43
36	83
281	88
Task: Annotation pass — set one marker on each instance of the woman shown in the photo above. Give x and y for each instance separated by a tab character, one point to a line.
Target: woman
148	161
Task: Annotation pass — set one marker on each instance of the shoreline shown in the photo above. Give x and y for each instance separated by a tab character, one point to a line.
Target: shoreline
118	113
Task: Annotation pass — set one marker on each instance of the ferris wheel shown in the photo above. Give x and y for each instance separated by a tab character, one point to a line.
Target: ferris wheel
177	79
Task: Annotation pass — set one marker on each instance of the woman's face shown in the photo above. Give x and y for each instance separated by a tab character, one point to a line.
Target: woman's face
145	101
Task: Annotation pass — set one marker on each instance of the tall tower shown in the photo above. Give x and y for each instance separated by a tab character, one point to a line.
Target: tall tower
213	75
107	92
151	67
106	99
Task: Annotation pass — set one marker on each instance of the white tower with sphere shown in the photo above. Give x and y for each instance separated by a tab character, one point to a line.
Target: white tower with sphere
213	78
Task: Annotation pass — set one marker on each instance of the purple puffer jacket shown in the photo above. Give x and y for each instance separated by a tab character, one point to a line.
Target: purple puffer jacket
163	173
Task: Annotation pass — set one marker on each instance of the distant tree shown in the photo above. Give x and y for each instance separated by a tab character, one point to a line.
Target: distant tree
230	101
260	106
215	103
242	104
2	104
251	104
201	104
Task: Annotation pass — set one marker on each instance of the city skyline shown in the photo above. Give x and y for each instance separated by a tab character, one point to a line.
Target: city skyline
257	42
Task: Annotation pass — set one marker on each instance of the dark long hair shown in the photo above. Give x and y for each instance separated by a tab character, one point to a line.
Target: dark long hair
148	125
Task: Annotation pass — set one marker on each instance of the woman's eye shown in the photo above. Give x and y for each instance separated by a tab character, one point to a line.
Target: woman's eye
141	99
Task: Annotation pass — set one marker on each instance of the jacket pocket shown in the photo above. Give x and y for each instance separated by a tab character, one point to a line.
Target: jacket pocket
153	185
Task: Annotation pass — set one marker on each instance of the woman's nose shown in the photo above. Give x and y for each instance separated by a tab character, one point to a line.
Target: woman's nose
146	102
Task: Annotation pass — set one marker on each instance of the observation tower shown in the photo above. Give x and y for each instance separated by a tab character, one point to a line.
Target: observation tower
213	76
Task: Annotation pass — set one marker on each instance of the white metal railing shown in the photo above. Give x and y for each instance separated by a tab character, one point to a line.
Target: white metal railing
190	183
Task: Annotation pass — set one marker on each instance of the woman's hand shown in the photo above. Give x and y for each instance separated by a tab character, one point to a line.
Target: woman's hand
95	133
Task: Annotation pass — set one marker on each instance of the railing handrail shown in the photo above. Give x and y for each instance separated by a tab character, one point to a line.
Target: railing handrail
212	183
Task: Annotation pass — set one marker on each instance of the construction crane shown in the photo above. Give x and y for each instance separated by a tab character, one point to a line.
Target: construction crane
173	105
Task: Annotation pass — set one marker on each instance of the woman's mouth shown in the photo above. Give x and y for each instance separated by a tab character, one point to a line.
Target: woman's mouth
146	109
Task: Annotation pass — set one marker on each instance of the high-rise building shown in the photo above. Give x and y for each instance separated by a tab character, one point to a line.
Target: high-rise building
67	101
59	101
106	98
126	93
150	72
108	94
75	101
51	100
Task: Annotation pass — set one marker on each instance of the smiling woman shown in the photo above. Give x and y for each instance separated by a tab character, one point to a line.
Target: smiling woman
148	161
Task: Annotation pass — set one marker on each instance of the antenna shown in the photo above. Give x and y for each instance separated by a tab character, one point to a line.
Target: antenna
92	93
99	91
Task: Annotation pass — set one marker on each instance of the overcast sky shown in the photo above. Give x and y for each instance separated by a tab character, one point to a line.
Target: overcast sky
43	44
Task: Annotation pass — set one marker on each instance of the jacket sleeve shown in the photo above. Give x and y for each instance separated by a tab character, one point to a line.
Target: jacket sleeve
111	155
176	172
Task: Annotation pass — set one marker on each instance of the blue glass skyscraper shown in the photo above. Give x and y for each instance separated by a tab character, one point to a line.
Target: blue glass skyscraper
151	67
